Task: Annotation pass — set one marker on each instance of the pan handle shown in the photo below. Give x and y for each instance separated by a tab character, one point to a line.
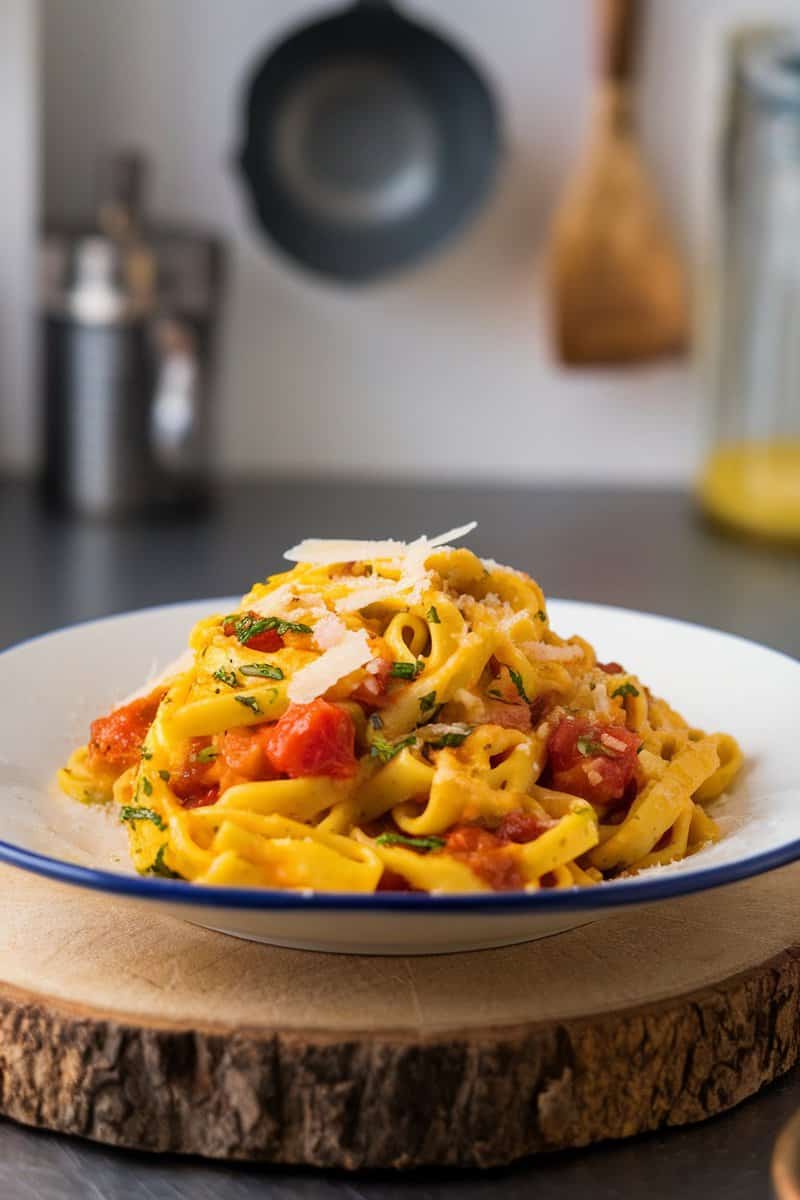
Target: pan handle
616	22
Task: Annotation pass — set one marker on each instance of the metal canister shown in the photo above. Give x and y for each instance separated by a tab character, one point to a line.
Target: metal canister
130	315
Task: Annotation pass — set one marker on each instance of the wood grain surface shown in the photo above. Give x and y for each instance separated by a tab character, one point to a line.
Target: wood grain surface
138	1030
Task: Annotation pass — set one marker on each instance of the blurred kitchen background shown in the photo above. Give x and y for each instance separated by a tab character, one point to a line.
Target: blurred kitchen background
446	368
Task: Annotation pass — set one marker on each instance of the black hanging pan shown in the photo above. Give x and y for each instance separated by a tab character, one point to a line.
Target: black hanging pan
369	141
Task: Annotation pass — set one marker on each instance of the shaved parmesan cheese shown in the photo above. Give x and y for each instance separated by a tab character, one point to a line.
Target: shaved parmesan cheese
329	551
329	632
546	653
601	702
371	593
453	535
314	680
326	552
289	601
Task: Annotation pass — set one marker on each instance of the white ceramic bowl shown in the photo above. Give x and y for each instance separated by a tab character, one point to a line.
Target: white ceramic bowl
54	685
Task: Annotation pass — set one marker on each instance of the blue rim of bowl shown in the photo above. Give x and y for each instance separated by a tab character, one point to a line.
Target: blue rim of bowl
615	894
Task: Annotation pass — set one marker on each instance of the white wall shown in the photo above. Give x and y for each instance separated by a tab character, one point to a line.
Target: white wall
18	196
445	370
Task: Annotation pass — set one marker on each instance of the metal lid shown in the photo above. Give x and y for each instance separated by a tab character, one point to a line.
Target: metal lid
123	268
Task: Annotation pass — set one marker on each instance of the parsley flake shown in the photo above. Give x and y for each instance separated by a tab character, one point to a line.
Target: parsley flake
407	670
136	812
147	786
450	737
386	751
427	703
228	677
207	754
249	702
423	844
164	775
262	670
159	867
516	679
625	689
433	616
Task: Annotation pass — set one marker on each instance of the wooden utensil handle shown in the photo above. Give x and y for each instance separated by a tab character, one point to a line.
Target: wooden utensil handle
616	28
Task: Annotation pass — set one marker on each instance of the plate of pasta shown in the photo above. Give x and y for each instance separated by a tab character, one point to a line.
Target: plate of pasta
396	747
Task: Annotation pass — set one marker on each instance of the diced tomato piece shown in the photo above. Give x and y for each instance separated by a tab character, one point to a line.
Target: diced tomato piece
519	826
611	668
372	689
117	739
267	640
202	799
193	782
486	855
582	763
465	839
243	756
313	739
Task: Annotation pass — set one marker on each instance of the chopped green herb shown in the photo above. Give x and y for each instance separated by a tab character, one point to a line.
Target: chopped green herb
147	786
207	754
159	867
228	677
164	775
588	747
518	684
423	844
497	695
386	751
146	753
249	702
427	703
262	670
625	689
135	812
450	737
541	615
376	721
407	670
247	626
433	616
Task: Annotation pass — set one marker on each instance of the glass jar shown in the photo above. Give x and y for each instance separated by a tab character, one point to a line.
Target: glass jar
751	478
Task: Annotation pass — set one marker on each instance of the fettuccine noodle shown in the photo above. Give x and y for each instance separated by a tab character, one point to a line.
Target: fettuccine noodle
391	716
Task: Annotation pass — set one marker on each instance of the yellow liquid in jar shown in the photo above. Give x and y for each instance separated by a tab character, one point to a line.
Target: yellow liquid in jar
755	486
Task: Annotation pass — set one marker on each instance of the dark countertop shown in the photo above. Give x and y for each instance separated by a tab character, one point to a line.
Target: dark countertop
638	549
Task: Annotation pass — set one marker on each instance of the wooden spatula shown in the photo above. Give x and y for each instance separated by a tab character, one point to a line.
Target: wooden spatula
618	287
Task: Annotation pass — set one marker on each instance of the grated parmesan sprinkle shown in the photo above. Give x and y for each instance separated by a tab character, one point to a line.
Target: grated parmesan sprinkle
546	653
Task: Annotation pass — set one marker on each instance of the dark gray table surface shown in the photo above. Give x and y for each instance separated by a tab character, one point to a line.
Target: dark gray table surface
637	549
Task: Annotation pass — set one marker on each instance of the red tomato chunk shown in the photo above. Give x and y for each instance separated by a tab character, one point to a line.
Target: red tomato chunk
487	856
117	739
195	783
313	739
267	641
597	762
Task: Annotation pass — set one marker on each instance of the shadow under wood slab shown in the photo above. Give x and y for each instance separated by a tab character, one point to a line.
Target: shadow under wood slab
139	1030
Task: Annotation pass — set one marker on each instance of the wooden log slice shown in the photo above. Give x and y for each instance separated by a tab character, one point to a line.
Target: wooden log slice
139	1030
